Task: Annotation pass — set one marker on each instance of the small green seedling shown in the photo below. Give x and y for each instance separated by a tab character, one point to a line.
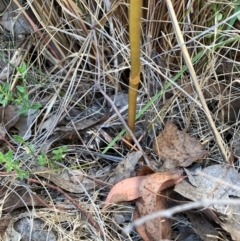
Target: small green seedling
20	96
12	165
57	155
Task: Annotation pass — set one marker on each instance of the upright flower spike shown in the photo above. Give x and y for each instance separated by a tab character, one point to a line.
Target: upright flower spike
134	29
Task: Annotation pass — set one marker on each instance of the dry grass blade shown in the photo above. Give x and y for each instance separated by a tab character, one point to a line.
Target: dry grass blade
70	60
88	216
188	61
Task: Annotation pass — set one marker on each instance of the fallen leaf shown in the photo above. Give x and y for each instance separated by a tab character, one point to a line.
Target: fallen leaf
156	229
82	124
19	197
119	218
236	143
145	170
176	148
145	189
76	176
216	182
202	227
4	222
64	180
14	20
24	124
126	190
125	168
9	115
150	202
34	229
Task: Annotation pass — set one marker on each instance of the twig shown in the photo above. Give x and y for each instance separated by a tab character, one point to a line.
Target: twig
58	189
178	209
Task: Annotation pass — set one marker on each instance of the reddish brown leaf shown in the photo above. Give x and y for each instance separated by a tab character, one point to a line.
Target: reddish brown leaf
177	148
155	229
126	190
145	170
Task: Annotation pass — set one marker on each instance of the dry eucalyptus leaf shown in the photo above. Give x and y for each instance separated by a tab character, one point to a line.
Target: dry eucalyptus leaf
14	20
125	168
9	116
64	180
236	143
126	190
24	124
119	218
156	229
4	222
150	202
145	170
176	148
19	197
202	227
49	123
34	229
120	100
76	176
217	182
146	190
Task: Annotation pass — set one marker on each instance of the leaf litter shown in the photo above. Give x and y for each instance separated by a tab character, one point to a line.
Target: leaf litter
10	117
78	90
176	148
173	146
216	182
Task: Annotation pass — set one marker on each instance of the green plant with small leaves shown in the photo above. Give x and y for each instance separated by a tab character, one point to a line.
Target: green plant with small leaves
56	155
12	164
20	96
42	158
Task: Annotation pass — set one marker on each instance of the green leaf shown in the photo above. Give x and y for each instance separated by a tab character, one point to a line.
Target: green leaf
6	87
9	156
22	69
23	110
3	102
21	89
2	159
42	159
36	106
18	138
219	16
22	174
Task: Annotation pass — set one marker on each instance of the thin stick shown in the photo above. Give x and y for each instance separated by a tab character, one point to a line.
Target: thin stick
179	209
192	72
